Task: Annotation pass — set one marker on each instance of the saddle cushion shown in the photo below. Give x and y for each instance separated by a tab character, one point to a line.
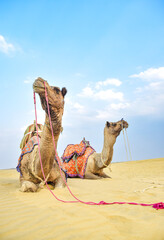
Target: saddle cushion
75	158
29	133
27	149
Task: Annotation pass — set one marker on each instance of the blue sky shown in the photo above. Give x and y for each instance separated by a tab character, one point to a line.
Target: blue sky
108	54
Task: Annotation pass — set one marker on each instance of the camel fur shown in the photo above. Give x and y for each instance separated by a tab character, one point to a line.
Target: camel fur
30	164
98	161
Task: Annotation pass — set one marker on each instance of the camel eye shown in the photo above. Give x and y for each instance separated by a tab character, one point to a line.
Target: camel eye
56	89
114	124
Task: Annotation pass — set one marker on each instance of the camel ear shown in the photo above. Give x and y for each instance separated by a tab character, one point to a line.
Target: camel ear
108	124
64	91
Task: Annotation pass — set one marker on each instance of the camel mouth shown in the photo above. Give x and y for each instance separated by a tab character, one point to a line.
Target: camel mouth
125	124
38	89
38	85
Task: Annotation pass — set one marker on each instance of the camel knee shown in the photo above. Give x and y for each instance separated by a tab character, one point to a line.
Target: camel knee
27	186
60	183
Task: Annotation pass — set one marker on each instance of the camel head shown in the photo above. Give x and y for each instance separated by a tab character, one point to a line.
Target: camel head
55	98
114	128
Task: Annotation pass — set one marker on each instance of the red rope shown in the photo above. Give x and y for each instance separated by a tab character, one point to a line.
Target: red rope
155	205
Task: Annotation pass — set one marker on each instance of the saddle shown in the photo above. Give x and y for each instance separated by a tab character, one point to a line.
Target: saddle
27	149
75	157
30	132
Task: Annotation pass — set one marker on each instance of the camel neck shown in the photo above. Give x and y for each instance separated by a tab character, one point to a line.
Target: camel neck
47	148
107	151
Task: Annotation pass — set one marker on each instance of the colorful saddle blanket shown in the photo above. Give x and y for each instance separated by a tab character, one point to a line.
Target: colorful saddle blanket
75	158
27	149
30	132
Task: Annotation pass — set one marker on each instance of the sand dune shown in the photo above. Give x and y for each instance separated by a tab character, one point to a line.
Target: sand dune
40	216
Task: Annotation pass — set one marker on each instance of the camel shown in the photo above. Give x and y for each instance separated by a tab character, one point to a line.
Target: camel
81	160
30	168
98	161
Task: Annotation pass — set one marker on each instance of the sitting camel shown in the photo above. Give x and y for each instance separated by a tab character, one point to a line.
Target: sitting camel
29	162
84	162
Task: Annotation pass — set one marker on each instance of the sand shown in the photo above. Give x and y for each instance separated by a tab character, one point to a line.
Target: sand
40	216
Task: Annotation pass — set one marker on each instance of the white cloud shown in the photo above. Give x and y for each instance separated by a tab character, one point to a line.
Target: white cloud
96	94
74	111
101	102
109	81
86	92
29	80
118	106
104	115
156	86
113	111
74	107
5	47
79	108
151	74
26	81
108	95
148	100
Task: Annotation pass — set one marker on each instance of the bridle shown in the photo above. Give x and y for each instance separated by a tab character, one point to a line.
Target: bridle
125	141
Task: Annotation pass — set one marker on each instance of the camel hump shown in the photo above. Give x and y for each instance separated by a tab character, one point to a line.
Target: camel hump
30	132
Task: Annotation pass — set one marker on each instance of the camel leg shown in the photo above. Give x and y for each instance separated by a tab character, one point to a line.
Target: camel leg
27	186
59	182
90	175
103	175
56	178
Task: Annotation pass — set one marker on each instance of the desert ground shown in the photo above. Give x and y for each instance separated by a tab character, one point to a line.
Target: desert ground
40	216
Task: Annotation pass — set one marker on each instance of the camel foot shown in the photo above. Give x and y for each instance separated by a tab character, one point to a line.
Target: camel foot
104	175
92	176
27	186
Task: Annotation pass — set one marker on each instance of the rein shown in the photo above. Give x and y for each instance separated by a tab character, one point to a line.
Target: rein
125	142
155	205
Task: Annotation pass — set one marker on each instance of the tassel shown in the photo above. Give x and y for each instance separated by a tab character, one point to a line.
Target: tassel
159	205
